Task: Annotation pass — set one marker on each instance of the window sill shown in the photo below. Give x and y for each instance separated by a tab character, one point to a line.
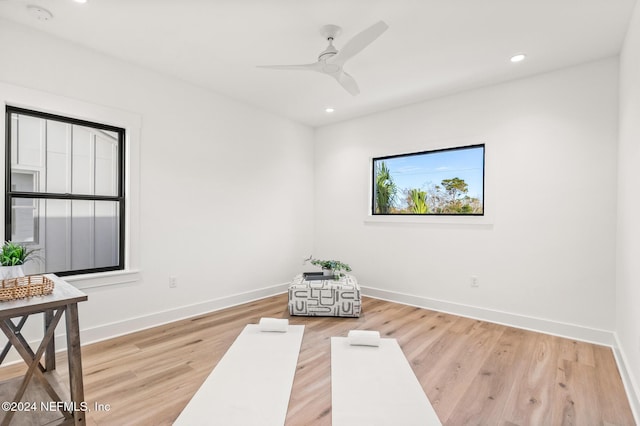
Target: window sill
102	279
437	221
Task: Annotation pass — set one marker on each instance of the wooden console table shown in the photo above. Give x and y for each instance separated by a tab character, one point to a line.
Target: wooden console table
64	299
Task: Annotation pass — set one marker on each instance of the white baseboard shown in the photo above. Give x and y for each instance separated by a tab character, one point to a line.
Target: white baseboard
571	331
131	325
630	384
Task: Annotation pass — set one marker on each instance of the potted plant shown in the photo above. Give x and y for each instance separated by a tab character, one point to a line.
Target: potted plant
330	267
12	257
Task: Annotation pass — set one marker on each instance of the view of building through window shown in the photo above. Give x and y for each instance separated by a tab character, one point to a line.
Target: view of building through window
65	196
440	182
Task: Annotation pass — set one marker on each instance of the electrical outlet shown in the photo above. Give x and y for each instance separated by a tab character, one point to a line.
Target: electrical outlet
474	281
173	282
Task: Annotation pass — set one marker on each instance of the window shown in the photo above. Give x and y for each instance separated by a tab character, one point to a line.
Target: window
65	192
440	182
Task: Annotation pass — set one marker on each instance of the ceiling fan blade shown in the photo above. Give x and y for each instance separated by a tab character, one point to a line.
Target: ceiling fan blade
348	82
359	42
316	66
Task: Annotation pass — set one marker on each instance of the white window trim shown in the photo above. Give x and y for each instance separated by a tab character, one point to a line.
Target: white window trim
132	122
101	279
480	221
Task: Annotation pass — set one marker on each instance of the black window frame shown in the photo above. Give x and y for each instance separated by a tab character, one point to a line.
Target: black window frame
433	151
119	197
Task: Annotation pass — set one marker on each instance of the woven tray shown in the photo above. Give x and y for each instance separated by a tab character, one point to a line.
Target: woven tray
19	288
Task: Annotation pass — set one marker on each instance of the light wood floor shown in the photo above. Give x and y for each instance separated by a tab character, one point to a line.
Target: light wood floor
473	372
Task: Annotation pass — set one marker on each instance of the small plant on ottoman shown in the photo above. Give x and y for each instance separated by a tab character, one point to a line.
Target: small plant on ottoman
330	267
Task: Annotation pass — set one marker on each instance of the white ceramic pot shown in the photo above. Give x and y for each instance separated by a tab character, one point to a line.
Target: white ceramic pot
7	272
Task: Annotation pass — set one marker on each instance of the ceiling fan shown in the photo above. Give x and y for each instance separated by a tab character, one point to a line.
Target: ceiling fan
331	61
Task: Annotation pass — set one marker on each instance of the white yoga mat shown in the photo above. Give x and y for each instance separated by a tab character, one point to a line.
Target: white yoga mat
252	382
375	386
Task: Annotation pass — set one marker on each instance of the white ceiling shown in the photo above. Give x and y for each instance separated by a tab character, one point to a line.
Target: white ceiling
432	47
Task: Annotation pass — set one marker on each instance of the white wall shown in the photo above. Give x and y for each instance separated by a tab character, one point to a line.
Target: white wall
547	254
628	254
221	184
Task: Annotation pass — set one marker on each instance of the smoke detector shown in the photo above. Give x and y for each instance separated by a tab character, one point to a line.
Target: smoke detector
39	12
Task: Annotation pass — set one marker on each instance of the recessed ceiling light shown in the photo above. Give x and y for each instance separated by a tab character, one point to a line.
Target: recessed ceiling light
80	1
329	110
518	58
40	13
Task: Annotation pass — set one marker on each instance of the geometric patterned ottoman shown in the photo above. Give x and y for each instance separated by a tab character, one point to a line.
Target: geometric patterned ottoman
338	298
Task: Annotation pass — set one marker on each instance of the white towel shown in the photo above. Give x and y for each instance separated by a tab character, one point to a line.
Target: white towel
274	324
363	338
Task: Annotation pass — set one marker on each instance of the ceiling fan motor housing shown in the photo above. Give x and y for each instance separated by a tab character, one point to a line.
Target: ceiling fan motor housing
330	32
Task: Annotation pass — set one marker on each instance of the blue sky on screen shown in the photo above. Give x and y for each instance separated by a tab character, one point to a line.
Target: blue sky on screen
420	171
